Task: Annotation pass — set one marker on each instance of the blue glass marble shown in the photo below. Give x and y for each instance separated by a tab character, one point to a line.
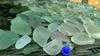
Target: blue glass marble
66	51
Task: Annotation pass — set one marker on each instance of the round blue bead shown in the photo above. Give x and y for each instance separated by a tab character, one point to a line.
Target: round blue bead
66	51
